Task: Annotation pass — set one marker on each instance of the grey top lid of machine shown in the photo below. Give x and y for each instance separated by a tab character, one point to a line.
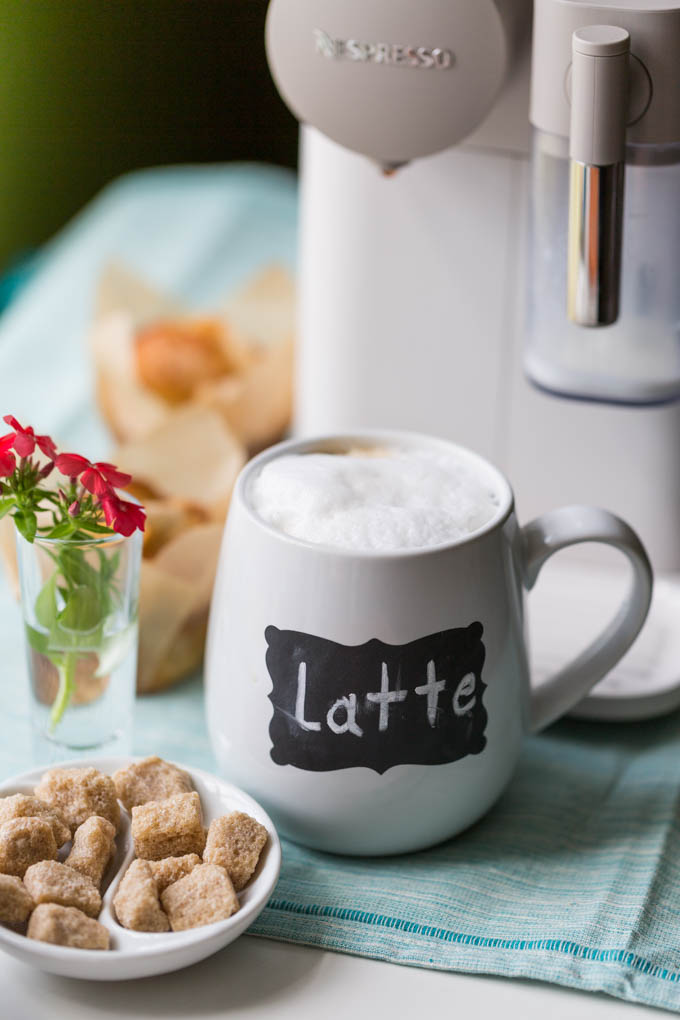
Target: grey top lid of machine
393	80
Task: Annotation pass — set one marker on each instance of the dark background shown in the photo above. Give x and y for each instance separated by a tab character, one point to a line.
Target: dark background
92	88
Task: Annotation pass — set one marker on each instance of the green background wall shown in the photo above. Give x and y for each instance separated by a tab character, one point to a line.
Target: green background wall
92	88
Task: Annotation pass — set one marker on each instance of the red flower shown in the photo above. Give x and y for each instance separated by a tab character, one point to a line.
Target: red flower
71	464
122	515
46	446
25	440
7	459
99	478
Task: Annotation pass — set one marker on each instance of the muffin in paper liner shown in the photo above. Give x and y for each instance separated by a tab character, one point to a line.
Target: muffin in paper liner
183	441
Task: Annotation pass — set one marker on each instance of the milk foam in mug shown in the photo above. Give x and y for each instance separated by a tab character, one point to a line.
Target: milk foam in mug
384	499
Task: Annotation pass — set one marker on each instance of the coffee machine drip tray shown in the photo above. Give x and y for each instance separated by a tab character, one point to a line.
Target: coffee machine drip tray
568	607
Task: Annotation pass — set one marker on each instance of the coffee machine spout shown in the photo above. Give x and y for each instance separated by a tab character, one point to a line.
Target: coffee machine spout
599	105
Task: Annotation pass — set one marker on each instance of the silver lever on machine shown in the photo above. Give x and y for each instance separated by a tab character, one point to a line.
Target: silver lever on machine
599	105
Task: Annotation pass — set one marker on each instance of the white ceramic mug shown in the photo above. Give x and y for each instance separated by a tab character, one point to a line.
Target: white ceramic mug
376	702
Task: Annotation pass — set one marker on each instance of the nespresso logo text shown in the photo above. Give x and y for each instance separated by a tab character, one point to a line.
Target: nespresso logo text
424	57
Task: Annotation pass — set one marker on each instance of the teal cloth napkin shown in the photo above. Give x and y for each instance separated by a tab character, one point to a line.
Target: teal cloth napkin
573	878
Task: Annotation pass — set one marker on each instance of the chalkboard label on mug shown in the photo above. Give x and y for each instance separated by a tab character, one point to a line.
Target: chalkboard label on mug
376	705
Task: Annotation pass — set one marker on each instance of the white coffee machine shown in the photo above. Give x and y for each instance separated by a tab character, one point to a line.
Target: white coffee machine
476	208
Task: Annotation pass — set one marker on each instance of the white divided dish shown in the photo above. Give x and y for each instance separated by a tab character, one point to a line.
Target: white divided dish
142	954
571	602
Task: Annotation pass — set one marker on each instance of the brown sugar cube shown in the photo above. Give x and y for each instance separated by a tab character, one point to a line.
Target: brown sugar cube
168	828
235	842
79	793
66	926
171	869
19	805
15	900
23	841
136	902
93	847
150	779
53	882
201	897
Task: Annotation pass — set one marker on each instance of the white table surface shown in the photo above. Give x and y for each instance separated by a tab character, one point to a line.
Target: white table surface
258	978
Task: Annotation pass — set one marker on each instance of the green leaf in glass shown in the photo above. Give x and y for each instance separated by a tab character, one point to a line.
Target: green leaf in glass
82	611
46	603
26	523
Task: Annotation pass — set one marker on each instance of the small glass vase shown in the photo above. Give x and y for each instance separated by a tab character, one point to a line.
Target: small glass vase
80	612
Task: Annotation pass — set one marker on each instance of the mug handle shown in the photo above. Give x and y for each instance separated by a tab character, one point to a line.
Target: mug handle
558	529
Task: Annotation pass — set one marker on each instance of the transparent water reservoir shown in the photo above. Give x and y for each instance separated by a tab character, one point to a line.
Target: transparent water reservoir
637	359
